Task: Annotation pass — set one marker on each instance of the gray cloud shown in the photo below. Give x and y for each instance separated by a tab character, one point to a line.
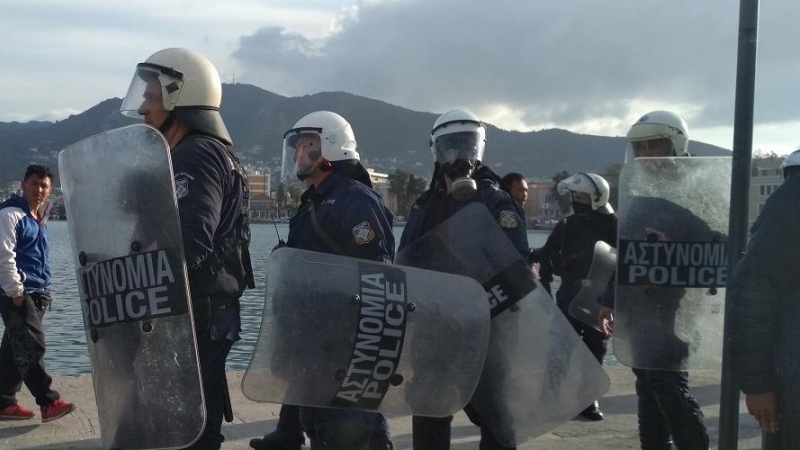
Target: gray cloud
559	63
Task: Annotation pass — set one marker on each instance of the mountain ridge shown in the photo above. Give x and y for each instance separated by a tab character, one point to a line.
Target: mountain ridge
389	137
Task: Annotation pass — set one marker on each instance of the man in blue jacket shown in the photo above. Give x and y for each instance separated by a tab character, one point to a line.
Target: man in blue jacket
178	91
25	284
765	310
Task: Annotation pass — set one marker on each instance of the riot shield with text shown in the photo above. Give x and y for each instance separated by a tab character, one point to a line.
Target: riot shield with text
350	333
585	307
126	240
538	373
672	262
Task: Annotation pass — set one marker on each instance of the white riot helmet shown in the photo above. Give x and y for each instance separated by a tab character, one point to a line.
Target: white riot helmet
658	125
458	134
592	184
190	90
335	142
791	165
458	140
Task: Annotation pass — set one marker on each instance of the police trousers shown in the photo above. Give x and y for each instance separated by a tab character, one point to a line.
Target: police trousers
344	429
668	412
595	341
214	341
22	350
433	433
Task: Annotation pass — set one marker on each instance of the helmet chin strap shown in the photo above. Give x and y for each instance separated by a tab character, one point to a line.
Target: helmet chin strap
167	124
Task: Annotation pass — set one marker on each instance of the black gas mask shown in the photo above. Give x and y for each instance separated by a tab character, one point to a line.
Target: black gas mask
458	155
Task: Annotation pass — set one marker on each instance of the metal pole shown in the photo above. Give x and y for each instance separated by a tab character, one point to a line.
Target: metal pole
740	186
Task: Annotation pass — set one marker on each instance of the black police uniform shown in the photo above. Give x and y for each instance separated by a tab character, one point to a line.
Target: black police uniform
667	410
568	253
213	202
432	208
352	220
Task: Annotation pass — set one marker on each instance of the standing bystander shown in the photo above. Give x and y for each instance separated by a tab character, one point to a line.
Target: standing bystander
25	283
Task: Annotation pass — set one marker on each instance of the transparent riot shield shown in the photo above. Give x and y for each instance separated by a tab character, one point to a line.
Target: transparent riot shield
126	239
350	333
586	304
538	373
672	262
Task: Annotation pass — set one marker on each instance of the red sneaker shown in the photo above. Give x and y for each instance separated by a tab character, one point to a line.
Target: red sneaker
16	412
55	410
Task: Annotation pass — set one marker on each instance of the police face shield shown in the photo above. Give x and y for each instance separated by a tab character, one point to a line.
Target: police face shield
301	154
152	87
650	148
460	146
457	155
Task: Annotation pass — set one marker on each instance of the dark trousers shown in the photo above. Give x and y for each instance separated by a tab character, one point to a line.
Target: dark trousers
22	351
668	412
343	429
213	354
433	433
289	430
790	433
594	340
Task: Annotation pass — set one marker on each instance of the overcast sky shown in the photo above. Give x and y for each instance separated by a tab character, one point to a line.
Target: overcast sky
589	66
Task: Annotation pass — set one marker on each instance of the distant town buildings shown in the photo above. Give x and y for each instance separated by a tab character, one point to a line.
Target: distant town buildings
765	177
542	203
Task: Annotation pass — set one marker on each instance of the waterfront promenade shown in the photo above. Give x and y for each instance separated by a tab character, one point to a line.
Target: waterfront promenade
80	430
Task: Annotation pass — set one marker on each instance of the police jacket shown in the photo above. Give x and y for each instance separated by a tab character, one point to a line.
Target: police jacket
352	216
213	202
24	246
436	205
764	303
569	249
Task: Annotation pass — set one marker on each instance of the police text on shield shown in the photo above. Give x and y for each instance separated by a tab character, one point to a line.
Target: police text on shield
379	337
672	264
133	288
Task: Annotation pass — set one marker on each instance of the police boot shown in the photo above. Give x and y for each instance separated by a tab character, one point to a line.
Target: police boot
592	412
273	441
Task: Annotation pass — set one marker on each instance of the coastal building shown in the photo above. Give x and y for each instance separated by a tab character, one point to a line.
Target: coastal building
380	182
765	177
542	203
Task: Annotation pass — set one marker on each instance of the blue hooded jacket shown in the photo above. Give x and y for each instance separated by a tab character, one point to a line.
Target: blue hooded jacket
24	249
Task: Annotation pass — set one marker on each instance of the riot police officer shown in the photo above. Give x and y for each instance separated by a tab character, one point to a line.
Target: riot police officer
791	165
458	141
667	410
569	250
340	214
181	94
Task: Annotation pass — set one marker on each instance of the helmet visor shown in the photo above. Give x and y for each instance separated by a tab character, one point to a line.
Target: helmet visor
301	153
462	145
152	86
653	148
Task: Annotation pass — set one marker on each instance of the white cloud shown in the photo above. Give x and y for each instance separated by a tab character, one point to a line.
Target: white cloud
72	55
583	65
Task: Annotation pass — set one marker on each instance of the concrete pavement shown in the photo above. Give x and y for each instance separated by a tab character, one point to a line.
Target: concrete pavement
80	430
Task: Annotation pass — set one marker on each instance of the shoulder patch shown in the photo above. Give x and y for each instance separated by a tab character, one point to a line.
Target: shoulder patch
508	219
181	187
363	233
